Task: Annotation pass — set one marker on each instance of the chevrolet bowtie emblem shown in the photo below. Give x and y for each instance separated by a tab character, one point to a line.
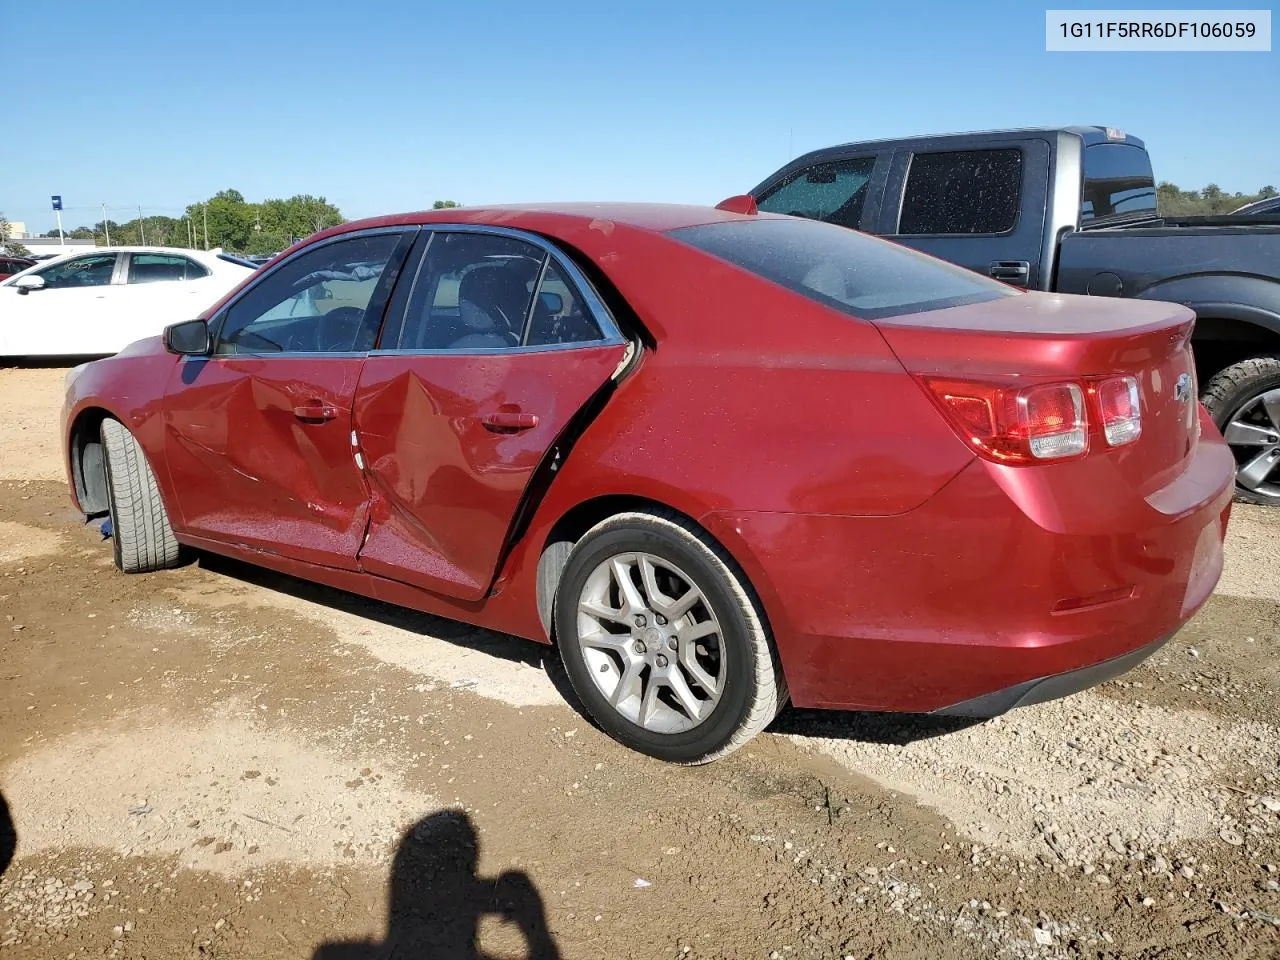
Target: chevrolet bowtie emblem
1182	389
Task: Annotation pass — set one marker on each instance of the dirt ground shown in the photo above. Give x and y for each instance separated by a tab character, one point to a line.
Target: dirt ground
221	762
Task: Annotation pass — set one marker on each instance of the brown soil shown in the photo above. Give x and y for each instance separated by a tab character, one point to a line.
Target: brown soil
217	761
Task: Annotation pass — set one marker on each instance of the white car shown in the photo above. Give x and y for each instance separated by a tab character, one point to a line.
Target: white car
96	302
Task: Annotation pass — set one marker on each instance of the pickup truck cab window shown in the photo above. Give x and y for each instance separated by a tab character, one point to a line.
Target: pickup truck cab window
833	192
962	192
1118	181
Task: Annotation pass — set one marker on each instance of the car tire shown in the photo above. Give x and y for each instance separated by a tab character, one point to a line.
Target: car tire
141	535
1235	394
723	638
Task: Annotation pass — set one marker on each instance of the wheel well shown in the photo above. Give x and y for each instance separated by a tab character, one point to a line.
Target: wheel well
570	528
88	467
1218	343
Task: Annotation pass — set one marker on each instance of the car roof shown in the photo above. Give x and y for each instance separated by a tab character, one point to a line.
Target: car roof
214	255
1264	205
650	217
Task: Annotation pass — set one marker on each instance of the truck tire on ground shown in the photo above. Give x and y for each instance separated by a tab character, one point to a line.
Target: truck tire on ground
1244	401
141	536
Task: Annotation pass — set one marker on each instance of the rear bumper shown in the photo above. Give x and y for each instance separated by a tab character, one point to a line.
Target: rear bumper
1002	589
1050	688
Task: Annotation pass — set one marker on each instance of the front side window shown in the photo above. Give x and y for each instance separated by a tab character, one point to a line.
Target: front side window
962	192
833	192
92	270
325	300
478	291
853	272
159	267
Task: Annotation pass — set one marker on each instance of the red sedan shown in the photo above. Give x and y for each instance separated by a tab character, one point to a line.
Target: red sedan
11	265
723	460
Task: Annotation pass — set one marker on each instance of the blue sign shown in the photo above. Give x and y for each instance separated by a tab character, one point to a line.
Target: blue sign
57	202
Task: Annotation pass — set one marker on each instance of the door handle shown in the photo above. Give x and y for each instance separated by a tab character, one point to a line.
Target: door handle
1015	272
315	410
509	421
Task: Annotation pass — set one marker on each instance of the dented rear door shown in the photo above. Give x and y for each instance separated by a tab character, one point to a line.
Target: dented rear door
468	400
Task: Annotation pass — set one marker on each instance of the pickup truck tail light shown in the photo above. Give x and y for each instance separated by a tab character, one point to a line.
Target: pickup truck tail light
1119	409
1015	425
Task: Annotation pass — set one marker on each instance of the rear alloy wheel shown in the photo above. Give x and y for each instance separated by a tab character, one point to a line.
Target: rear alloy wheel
1244	400
664	641
141	536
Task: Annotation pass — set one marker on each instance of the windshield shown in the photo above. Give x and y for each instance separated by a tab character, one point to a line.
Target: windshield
858	274
1118	183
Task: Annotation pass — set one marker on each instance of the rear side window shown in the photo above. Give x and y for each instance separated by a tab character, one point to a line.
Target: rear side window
832	192
962	192
1118	182
159	267
853	272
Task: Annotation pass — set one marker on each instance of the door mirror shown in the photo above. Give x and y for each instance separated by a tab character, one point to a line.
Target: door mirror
551	302
189	338
25	285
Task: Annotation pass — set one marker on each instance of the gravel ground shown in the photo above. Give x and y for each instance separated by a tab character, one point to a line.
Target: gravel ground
216	761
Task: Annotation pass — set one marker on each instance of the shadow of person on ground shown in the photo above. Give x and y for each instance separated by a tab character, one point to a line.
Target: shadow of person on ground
437	900
8	836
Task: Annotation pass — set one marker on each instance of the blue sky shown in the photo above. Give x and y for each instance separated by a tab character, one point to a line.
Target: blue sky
387	106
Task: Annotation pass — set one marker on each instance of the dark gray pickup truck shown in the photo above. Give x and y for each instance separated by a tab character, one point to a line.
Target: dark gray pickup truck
1073	210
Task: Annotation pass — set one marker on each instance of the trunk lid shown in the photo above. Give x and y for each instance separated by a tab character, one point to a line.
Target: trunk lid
1045	338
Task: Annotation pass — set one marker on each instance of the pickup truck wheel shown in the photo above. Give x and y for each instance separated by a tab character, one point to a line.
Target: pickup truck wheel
1244	400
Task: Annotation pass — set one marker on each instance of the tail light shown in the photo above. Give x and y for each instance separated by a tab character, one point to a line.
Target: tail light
1014	425
1119	409
1048	421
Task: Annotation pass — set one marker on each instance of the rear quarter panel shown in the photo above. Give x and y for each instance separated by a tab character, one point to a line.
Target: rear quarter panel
753	399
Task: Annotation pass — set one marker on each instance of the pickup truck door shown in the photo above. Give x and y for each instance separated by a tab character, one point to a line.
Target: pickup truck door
982	206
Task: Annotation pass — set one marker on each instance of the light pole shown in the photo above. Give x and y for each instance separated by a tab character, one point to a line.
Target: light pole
106	229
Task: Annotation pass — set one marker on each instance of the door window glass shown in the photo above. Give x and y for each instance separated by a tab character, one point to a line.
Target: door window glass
93	270
326	300
159	267
834	192
962	192
559	313
473	292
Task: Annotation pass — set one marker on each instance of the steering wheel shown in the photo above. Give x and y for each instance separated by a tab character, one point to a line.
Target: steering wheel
337	330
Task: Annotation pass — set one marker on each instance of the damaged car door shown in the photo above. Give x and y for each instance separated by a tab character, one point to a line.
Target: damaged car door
258	434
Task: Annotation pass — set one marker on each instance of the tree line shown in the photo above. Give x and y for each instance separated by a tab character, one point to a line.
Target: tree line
1173	201
229	221
225	220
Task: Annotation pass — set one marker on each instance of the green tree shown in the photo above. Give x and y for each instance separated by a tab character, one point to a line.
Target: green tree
12	247
1173	201
445	204
230	220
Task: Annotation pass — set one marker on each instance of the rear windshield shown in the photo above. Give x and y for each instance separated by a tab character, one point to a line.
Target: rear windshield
861	275
1118	183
